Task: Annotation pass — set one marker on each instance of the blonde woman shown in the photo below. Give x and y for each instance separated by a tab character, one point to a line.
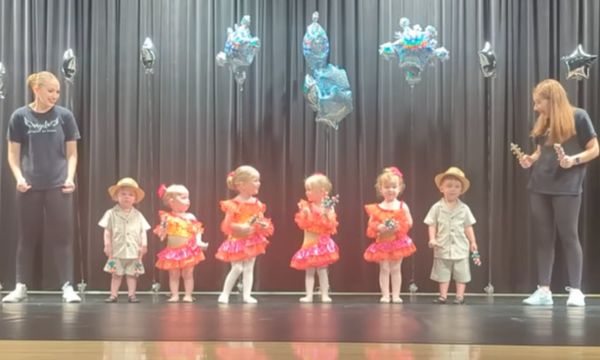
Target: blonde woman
565	142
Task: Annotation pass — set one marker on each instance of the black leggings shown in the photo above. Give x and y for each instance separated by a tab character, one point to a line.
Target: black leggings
55	209
560	212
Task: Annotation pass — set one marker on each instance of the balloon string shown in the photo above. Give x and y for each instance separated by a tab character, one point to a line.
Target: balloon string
238	127
412	166
488	101
153	180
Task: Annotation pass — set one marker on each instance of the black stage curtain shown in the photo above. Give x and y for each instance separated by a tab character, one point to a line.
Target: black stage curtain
188	123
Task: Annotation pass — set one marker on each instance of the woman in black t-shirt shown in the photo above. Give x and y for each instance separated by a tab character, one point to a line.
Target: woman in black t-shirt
42	154
565	141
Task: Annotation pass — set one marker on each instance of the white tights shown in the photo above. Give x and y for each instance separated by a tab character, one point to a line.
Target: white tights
309	282
245	268
389	269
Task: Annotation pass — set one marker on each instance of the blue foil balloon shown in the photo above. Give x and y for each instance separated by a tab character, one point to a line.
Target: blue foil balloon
240	49
414	48
326	89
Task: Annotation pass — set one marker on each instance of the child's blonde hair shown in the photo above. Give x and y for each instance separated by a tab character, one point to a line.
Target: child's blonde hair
171	191
389	174
240	175
318	180
40	79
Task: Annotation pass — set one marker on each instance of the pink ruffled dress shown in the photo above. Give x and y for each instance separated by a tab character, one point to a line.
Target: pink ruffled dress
177	255
392	246
237	247
318	248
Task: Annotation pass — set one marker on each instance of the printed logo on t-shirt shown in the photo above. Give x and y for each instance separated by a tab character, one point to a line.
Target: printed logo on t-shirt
43	127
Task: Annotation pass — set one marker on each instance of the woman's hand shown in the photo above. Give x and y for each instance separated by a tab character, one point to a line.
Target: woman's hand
567	161
526	161
68	187
23	186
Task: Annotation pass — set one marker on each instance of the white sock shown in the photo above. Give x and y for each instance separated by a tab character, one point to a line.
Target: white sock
248	277
384	279
232	276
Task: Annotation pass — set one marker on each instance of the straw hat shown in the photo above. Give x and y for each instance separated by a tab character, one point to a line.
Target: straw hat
457	173
126	182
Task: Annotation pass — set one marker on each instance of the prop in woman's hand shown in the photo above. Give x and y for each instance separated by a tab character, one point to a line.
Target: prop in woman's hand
516	150
560	151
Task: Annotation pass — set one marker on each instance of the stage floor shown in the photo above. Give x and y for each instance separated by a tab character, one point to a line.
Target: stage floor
483	320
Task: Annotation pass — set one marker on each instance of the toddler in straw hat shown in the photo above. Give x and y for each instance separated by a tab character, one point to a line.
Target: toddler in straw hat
451	235
125	240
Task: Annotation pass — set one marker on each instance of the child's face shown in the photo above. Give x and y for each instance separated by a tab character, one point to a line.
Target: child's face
315	194
250	187
126	198
451	188
180	202
390	189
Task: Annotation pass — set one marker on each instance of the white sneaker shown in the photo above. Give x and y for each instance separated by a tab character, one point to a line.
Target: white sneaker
69	295
540	297
576	297
17	295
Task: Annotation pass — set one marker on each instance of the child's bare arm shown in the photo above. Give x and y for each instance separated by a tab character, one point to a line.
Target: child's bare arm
409	218
432	233
471	237
107	243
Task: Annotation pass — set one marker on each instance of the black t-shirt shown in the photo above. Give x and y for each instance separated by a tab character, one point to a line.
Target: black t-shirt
547	177
42	137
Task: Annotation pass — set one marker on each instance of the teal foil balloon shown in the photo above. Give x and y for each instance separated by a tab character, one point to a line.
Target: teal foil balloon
414	48
240	49
326	89
315	44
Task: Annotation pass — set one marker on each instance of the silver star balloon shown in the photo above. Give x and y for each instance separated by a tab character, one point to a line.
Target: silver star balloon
148	55
487	60
578	63
2	80
69	65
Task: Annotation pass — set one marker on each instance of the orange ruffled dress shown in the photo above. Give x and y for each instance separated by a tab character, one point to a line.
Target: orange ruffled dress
392	246
177	255
239	248
318	249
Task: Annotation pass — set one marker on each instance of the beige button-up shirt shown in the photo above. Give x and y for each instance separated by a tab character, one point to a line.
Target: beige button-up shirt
128	230
450	225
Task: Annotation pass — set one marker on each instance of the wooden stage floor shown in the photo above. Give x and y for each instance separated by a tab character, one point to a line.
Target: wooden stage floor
279	327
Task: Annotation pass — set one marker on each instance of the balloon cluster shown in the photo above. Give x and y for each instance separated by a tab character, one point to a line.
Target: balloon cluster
326	88
414	49
240	49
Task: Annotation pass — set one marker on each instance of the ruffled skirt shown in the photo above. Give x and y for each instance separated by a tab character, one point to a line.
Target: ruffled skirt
233	250
181	257
390	250
322	253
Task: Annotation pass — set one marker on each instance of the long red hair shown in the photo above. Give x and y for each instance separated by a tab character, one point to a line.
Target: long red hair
560	122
